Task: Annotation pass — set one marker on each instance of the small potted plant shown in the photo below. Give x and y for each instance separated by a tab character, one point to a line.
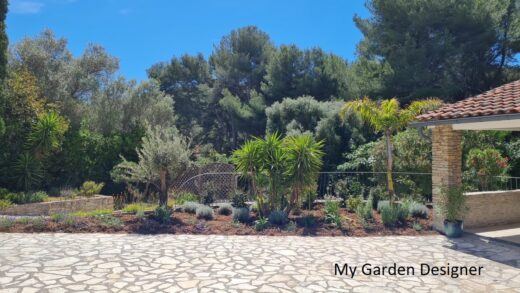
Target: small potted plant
452	207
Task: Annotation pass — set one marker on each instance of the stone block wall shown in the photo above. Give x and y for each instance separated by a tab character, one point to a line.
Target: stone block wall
65	206
492	208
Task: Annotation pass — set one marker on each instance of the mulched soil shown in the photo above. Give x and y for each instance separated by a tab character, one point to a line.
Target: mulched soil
184	223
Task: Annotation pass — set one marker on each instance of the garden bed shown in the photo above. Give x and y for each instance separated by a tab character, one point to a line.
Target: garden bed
185	223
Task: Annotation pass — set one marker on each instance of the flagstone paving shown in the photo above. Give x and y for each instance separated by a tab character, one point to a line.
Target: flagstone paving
196	263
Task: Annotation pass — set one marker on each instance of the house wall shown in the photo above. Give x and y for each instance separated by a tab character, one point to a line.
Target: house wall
492	208
64	206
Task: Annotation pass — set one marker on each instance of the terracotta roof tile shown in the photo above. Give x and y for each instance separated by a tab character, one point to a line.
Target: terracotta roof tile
504	99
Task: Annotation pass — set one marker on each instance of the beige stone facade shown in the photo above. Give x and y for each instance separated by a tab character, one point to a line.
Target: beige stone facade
64	206
492	208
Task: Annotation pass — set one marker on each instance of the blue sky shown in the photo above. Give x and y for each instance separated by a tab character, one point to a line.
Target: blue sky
141	33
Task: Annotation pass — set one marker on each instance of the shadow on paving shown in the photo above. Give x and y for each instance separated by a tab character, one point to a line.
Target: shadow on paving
504	253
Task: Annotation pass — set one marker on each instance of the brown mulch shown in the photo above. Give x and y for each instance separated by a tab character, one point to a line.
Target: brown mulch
183	223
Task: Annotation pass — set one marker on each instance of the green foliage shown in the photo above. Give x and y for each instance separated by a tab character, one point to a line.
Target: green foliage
59	217
353	203
239	199
376	194
184	197
225	209
278	218
164	154
308	221
140	215
291	226
24	197
417	226
426	45
4	204
261	224
241	215
485	165
204	212
47	133
27	171
68	192
7	223
163	214
90	188
364	211
292	72
109	220
332	213
389	215
452	203
134	208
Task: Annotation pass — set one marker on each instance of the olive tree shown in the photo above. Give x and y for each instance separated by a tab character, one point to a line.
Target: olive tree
164	154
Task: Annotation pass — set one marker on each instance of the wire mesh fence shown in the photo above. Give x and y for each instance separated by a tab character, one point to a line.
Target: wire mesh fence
221	182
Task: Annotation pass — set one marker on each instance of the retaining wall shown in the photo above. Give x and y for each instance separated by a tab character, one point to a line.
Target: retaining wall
64	206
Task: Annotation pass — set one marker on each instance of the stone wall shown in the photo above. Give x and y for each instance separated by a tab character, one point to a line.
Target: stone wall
492	208
64	206
446	163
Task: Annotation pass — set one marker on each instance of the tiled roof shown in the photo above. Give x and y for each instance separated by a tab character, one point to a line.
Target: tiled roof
504	99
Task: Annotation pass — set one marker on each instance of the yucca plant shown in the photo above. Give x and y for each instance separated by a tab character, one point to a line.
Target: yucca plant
304	161
27	171
47	133
246	161
387	117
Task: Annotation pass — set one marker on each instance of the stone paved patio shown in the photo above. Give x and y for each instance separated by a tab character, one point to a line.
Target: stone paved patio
173	263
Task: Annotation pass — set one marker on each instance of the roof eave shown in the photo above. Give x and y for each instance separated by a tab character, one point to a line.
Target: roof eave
489	118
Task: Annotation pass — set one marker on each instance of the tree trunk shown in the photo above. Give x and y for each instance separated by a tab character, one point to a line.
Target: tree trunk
389	166
163	196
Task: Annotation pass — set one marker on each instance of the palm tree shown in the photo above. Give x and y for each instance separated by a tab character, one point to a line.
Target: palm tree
304	161
246	161
387	117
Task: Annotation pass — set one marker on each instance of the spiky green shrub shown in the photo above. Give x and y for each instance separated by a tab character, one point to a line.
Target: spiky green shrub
261	224
90	188
162	214
238	200
204	212
278	218
190	207
241	215
225	209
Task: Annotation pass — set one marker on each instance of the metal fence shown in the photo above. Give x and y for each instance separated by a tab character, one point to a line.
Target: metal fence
222	185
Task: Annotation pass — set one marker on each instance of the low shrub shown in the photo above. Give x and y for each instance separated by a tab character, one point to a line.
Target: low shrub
241	215
417	226
254	207
38	223
190	207
162	214
59	217
23	220
261	224
90	188
225	209
278	218
6	223
204	212
68	192
308	221
4	204
207	198
109	220
309	196
364	211
389	215
185	197
353	202
291	226
29	197
418	210
381	204
238	200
